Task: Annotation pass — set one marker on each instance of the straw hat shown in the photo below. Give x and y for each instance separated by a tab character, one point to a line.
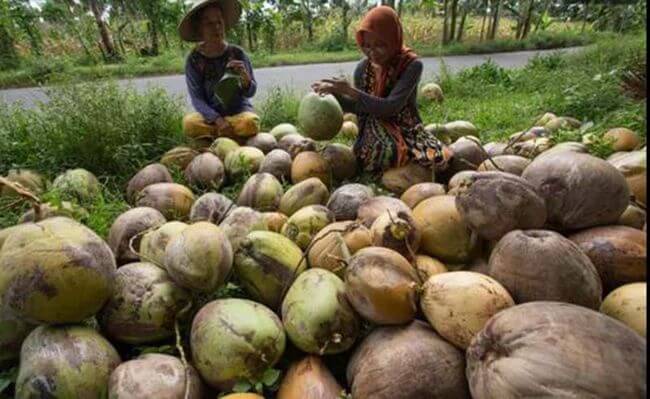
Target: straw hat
188	29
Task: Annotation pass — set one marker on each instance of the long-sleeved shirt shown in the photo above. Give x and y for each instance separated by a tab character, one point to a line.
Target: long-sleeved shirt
403	93
202	74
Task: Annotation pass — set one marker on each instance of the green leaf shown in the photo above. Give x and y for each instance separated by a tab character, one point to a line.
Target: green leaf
8	377
242	386
259	387
270	377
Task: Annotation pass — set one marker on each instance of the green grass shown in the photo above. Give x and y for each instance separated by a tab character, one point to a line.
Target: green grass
56	70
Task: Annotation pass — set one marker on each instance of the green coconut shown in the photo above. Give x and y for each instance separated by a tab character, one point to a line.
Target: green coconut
49	210
261	192
12	334
243	161
341	159
127	230
211	207
458	129
283	129
304	224
150	174
316	315
278	163
308	192
55	271
275	220
241	221
320	116
155	375
143	306
77	184
223	146
266	264
382	286
432	92
178	157
235	340
199	258
173	200
349	129
28	179
562	122
154	242
65	362
205	171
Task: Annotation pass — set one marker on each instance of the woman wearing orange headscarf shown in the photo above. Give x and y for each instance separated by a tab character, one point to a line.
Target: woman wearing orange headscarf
391	133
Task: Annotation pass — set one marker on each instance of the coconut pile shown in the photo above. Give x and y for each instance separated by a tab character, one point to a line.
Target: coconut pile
519	272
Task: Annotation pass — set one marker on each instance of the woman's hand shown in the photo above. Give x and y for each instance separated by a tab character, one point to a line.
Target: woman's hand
240	68
224	128
335	86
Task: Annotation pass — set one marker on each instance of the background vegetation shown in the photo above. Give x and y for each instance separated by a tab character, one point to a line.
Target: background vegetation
42	39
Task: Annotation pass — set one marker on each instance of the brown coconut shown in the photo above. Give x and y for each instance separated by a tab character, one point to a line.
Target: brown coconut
211	207
277	163
206	171
622	139
618	252
341	160
468	155
514	164
633	166
178	157
370	209
309	378
556	350
173	200
295	143
419	192
580	190
407	362
454	182
346	200
427	266
127	231
495	148
382	286
495	203
541	265
445	235
263	141
150	174
311	164
396	231
398	180
633	216
332	246
275	220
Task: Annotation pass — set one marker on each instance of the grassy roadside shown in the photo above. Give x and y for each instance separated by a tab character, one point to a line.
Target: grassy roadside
114	132
173	62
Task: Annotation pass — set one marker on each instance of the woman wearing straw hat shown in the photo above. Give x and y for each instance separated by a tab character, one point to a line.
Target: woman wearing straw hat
391	133
208	64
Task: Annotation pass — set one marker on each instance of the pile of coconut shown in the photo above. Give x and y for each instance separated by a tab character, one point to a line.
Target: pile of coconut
518	273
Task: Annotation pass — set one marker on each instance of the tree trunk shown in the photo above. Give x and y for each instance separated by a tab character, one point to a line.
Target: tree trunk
109	48
454	14
585	16
399	8
494	28
461	26
249	36
528	19
445	22
483	19
153	32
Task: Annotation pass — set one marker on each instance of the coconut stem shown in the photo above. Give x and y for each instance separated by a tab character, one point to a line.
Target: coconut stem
179	347
143	257
23	192
480	146
634	201
514	140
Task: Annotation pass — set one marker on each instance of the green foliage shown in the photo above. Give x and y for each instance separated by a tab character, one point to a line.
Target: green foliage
8	378
279	106
103	128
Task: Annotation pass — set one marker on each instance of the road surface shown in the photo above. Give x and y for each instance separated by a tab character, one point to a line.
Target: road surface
297	78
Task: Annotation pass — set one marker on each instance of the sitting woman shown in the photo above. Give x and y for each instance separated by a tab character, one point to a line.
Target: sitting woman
391	133
207	64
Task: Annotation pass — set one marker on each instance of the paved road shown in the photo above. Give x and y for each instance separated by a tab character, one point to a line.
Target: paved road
297	78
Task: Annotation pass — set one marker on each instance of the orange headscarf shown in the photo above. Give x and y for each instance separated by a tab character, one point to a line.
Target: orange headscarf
384	21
